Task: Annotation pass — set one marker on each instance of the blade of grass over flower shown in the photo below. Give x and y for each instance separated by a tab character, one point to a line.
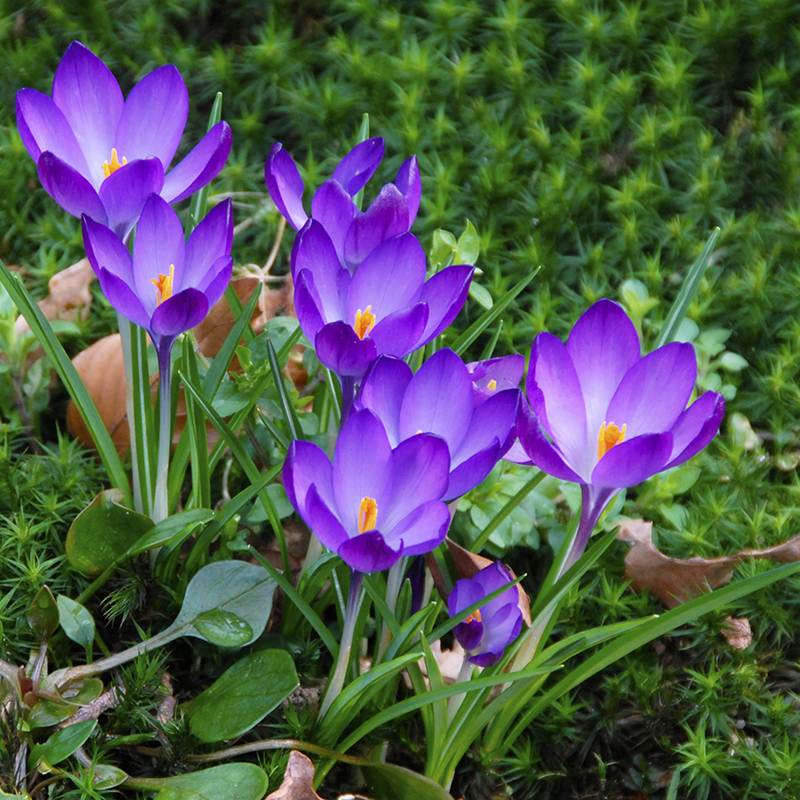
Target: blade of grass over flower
335	395
686	294
626	643
200	200
69	377
197	433
381	605
246	463
143	429
488	317
363	135
492	343
289	411
501	515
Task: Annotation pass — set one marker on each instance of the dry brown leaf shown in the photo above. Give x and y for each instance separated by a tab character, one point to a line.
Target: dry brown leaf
298	781
738	632
676	580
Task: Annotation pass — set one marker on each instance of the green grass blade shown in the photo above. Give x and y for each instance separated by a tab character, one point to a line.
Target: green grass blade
289	411
197	433
200	200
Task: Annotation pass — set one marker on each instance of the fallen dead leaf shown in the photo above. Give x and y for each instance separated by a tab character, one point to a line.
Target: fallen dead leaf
738	632
676	580
448	661
298	781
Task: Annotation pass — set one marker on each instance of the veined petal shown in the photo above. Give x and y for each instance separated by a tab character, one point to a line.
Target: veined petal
154	117
285	186
696	427
217	279
91	100
386	217
122	298
495	375
439	400
369	552
209	241
70	189
410	186
400	333
125	191
655	390
179	313
323	521
382	392
541	452
359	165
388	279
201	166
473	469
307	464
633	460
105	250
307	304
444	295
603	346
44	128
422	530
314	252
333	208
339	349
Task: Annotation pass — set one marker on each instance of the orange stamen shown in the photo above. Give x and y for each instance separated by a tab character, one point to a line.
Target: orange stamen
474	616
163	284
367	514
113	165
365	322
609	436
492	384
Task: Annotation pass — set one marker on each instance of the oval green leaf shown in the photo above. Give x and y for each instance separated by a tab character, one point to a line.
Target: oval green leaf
242	696
76	621
43	612
62	744
226	782
223	628
388	782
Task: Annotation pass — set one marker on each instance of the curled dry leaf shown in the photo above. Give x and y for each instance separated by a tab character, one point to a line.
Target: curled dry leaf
676	580
448	661
738	632
298	781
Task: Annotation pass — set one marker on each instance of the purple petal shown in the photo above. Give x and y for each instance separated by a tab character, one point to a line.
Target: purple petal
499	632
307	305
122	298
285	186
154	117
70	189
696	427
159	245
125	191
334	209
516	455
469	634
410	186
654	391
386	217
179	313
444	294
361	469
359	165
90	97
321	519
313	251
339	349
400	333
307	464
389	279
439	400
422	530
472	470
217	279
201	166
555	395
44	128
603	346
105	250
209	241
539	449
368	553
632	461
382	392
506	372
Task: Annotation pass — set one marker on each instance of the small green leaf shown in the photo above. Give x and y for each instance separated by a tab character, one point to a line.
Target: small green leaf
223	629
62	744
43	612
104	532
469	245
388	782
242	696
76	621
172	530
104	776
480	295
444	245
226	782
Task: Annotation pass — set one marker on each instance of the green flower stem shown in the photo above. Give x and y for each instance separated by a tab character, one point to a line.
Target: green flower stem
393	585
161	501
124	327
336	683
464	675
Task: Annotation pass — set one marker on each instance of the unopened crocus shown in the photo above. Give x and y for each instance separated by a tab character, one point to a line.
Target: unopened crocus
487	631
387	306
101	155
606	417
353	233
374	503
441	398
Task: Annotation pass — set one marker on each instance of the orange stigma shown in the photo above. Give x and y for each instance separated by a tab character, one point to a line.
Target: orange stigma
113	165
609	436
367	515
163	284
365	322
492	384
475	616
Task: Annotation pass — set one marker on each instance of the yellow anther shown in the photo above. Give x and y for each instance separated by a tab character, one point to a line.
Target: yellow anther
113	165
609	436
367	514
163	284
492	384
365	322
475	616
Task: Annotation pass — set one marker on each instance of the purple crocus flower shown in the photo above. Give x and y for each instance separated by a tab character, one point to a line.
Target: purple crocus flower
486	633
354	234
441	398
495	375
101	155
607	418
387	306
374	503
169	284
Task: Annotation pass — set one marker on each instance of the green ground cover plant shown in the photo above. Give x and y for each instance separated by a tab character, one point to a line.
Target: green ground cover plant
598	143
